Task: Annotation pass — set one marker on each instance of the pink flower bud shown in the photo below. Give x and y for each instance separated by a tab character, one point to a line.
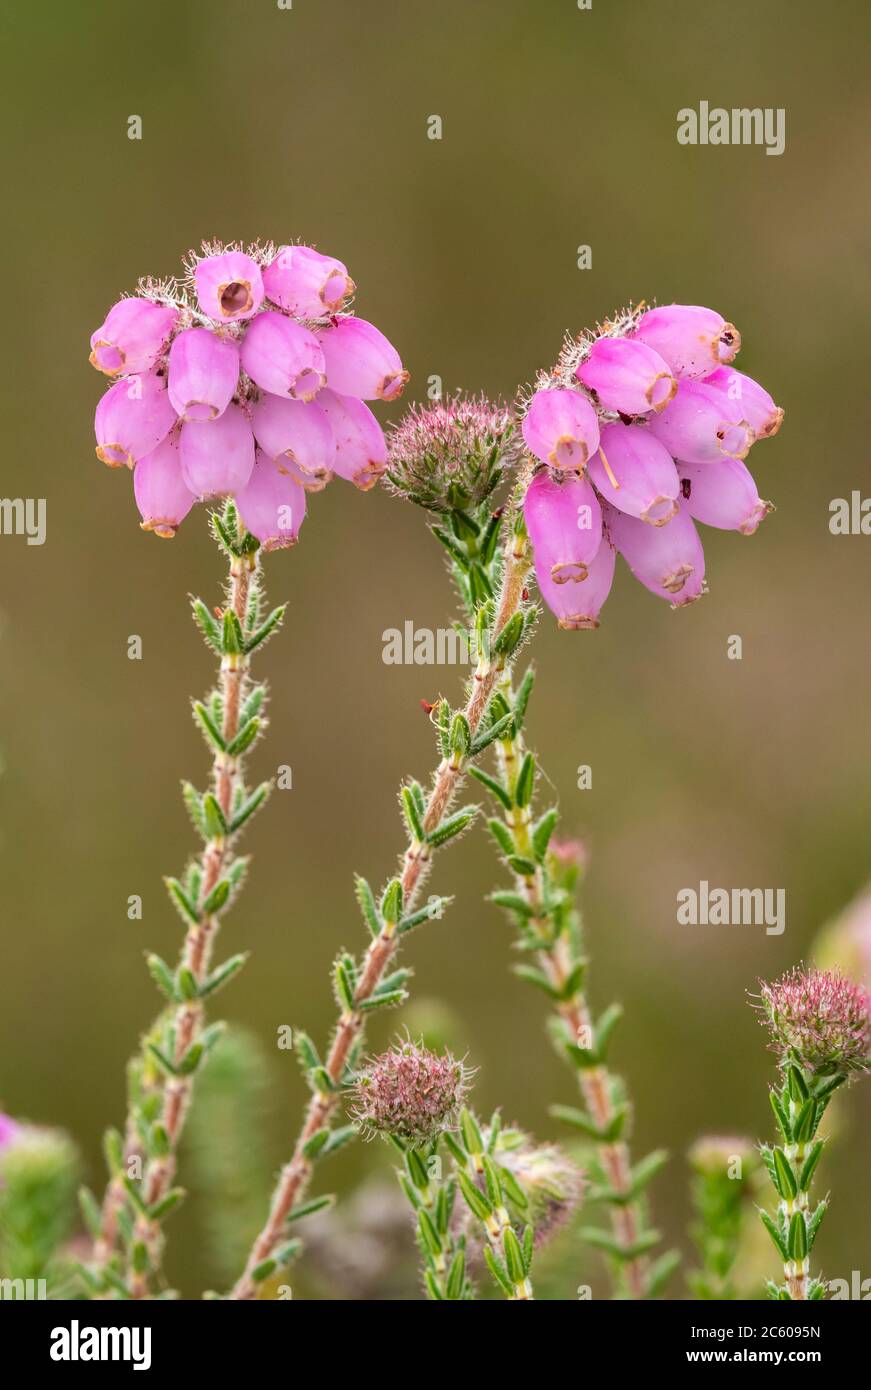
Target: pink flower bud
132	417
306	283
361	362
283	357
667	560
750	399
229	287
162	496
133	337
701	425
577	605
564	521
361	449
217	456
295	431
627	376
561	428
272	504
203	374
692	340
722	494
636	474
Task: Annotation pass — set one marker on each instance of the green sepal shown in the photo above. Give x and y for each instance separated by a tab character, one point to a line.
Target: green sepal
470	1133
798	1090
781	1116
416	1169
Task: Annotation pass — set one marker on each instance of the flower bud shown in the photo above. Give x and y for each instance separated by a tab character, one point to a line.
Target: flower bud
451	455
283	357
217	457
295	431
667	560
627	376
306	283
361	362
272	504
133	337
820	1017
9	1129
561	428
751	400
722	494
409	1093
636	474
162	496
577	605
361	449
701	425
132	417
692	340
229	287
203	374
564	521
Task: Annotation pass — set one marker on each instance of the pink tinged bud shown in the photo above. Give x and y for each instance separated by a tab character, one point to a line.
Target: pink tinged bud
722	494
295	432
564	521
627	376
162	496
283	357
667	560
361	362
203	374
132	418
750	399
702	425
229	287
561	428
217	457
361	449
692	340
306	283
133	337
272	504
636	474
577	606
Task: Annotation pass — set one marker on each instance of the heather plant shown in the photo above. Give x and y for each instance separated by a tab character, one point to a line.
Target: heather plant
820	1029
724	1168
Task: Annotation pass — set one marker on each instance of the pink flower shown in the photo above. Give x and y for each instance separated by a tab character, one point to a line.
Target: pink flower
162	495
410	1093
203	374
627	376
822	1018
692	340
9	1130
577	604
217	457
307	284
132	418
229	287
361	362
702	425
561	428
361	449
283	357
751	400
298	431
133	337
668	560
722	494
636	474
564	522
272	504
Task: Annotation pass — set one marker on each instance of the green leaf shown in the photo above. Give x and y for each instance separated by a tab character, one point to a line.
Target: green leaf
661	1271
432	911
412	815
781	1116
213	736
344	987
312	1148
774	1231
510	636
382	1001
514	1261
244	739
91	1213
502	835
165	1063
452	827
497	1270
113	1150
232	639
542	833
798	1090
797	1240
223	974
187	984
249	806
262	1271
287	1253
460	738
810	1163
571	986
605	1240
191	1059
470	1133
162	976
605	1026
493	786
391	902
309	1208
815	1222
253	704
186	909
473	1197
194	807
338	1138
513	902
526	868
784	1179
166	1204
207	624
266	629
646	1170
216	823
536	977
456	1280
366	902
525	785
521	699
217	898
492	731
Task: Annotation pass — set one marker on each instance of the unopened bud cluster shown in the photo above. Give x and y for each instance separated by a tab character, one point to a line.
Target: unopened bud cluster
450	456
249	380
409	1093
643	429
820	1019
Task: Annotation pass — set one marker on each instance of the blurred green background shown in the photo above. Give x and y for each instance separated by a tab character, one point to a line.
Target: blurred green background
559	130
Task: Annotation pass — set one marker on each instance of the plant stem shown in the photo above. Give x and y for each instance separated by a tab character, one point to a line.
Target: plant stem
416	864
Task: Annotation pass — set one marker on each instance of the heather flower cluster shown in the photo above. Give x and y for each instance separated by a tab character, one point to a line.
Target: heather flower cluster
820	1019
409	1093
642	431
449	456
247	379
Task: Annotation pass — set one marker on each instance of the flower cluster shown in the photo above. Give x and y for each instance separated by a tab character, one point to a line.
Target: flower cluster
450	456
821	1019
247	379
410	1093
643	429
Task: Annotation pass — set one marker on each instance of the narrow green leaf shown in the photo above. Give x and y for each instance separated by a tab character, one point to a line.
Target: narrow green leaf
232	640
525	781
166	1204
810	1165
514	1261
269	626
244	739
542	833
186	909
91	1213
162	976
774	1231
797	1242
366	901
493	786
212	734
217	898
249	806
452	827
412	815
216	823
309	1208
223	974
785	1178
